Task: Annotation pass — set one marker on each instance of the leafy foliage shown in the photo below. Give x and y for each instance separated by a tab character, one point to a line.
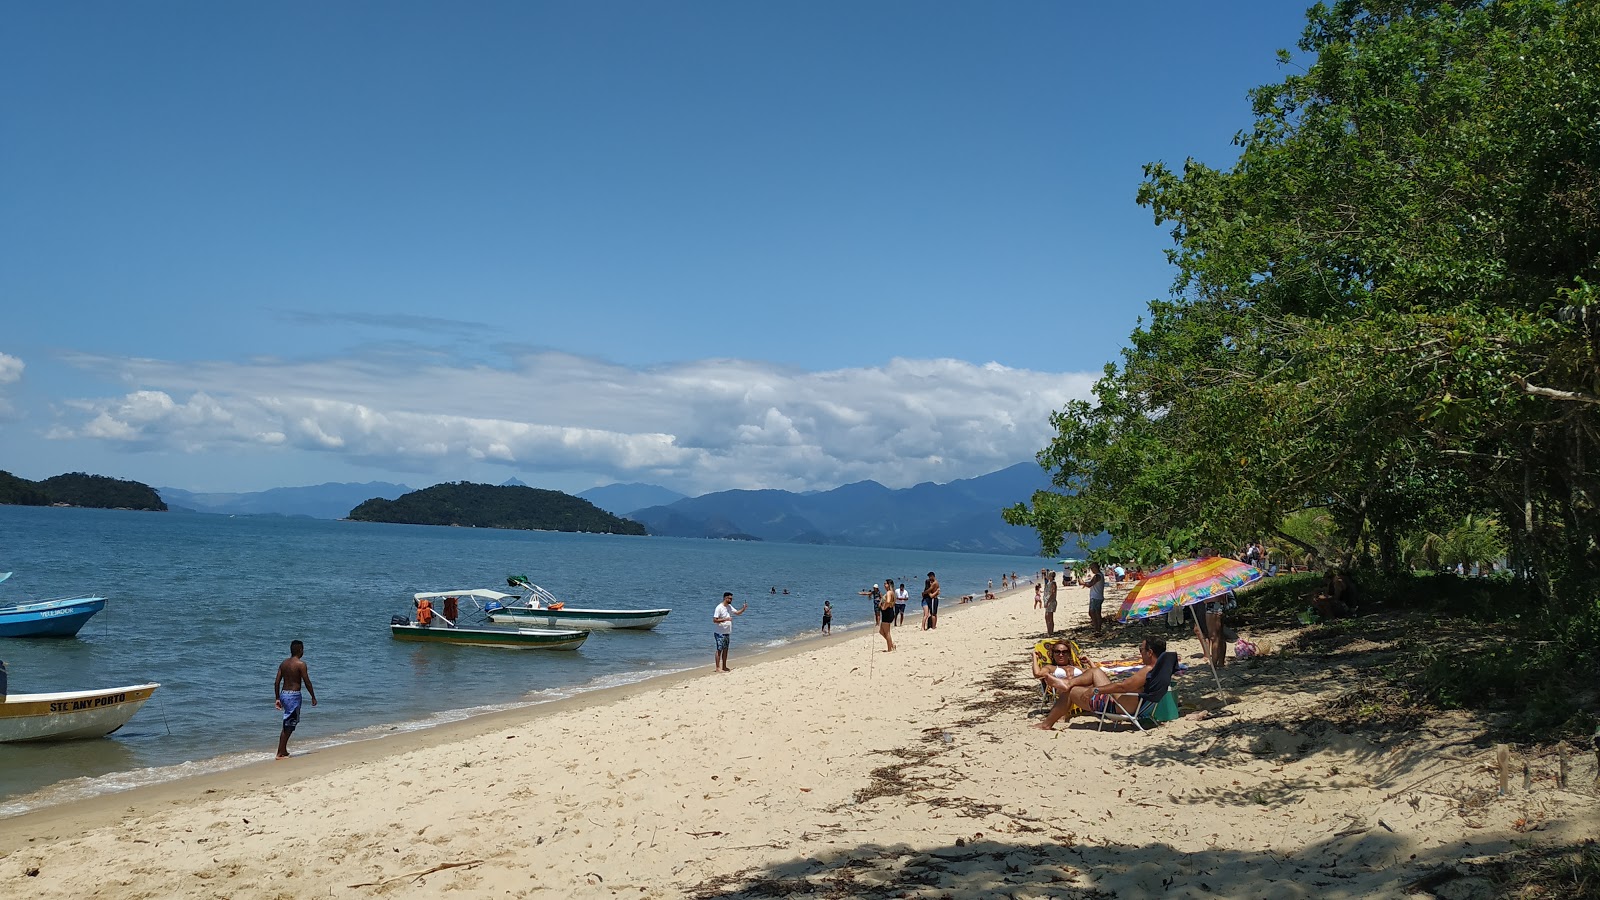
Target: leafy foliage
21	492
1384	311
1386	318
494	506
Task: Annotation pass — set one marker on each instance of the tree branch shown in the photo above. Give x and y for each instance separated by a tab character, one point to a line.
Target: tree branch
1552	393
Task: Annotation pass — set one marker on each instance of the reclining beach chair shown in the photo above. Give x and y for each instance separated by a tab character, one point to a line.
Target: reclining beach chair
1041	653
1151	698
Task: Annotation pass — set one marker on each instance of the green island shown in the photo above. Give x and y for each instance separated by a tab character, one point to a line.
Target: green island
465	504
79	489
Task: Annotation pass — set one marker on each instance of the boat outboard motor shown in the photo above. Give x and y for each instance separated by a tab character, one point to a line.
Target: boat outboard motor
399	620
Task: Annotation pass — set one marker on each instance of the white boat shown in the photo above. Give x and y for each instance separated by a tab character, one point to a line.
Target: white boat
69	715
537	606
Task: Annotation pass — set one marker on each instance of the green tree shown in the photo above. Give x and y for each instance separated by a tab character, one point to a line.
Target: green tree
1385	308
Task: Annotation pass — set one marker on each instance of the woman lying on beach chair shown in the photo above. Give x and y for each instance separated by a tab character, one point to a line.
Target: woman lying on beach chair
1060	665
1095	692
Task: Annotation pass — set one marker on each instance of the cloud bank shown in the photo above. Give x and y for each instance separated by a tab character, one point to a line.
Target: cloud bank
697	426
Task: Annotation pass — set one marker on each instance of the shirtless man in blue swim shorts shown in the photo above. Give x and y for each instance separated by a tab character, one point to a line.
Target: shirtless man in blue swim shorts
292	672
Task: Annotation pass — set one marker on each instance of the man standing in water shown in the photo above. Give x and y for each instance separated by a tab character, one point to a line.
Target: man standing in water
292	672
722	628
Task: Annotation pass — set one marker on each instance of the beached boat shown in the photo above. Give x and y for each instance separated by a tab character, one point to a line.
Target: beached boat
49	618
537	606
442	624
69	715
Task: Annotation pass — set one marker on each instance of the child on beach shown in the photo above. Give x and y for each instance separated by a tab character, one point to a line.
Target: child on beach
827	617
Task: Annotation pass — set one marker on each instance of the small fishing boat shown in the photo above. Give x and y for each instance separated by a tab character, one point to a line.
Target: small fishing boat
443	626
70	715
49	618
512	638
537	606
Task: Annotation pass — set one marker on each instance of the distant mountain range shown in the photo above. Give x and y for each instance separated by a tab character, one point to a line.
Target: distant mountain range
962	515
620	499
333	500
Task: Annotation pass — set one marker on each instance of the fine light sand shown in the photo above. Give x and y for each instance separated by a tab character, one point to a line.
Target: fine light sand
857	772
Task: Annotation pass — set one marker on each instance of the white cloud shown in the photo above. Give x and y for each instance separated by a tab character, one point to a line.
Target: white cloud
700	425
10	373
10	369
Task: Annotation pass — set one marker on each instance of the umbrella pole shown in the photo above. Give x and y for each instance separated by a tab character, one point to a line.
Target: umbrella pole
1205	646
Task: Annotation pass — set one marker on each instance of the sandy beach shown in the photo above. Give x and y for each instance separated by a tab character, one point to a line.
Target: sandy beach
835	769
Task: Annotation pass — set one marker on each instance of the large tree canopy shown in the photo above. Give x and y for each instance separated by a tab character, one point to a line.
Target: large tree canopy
1387	308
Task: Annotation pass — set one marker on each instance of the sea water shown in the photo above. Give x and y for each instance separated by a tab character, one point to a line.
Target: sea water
207	605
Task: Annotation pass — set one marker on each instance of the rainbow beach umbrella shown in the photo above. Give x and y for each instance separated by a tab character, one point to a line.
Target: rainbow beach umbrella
1184	583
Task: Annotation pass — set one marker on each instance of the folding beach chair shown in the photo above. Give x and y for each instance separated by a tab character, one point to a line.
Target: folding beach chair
1155	693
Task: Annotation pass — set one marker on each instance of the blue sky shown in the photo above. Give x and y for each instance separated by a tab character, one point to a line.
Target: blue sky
705	245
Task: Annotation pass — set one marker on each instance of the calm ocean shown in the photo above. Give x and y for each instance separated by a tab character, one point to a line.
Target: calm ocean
207	605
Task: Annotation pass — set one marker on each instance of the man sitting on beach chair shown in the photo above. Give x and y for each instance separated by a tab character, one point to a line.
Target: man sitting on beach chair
1094	690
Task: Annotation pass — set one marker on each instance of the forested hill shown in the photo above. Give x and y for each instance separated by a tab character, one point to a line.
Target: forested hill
79	489
494	506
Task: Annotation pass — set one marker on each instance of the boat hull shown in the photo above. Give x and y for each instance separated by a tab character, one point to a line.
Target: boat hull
49	618
583	619
70	715
530	639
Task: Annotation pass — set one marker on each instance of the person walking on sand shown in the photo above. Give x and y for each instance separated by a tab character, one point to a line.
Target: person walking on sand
1038	594
722	628
901	598
292	674
827	617
886	615
930	602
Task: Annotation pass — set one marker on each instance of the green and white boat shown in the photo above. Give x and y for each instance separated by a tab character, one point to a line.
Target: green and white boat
442	625
537	606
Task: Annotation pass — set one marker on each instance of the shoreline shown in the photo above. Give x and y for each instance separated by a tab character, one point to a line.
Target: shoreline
401	736
832	768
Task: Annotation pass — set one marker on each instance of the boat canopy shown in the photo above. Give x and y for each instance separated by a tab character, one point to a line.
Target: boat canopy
479	593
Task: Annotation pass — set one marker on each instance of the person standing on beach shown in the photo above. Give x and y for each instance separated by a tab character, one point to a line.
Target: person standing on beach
1097	596
292	673
930	602
886	615
901	598
827	617
722	628
1050	589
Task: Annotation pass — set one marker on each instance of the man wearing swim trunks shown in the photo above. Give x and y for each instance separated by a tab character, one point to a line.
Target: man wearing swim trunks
722	628
930	602
292	673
